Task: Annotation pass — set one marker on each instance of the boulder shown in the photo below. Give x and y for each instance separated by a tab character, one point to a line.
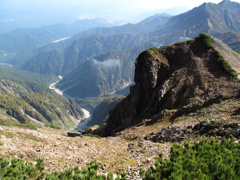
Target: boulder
74	134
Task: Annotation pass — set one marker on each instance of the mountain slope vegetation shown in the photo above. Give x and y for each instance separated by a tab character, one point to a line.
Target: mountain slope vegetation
26	98
40	109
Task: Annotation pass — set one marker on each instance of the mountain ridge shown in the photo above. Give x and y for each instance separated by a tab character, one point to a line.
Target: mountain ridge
24	38
69	57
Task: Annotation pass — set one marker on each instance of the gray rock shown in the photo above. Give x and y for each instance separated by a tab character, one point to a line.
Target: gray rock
74	134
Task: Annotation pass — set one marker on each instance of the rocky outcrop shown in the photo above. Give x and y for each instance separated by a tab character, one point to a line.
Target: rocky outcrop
181	77
74	134
208	129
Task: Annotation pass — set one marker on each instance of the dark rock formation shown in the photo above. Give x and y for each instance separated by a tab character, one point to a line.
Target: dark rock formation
208	129
74	134
182	77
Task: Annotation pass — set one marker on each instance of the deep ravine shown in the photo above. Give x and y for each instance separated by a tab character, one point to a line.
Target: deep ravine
53	87
82	125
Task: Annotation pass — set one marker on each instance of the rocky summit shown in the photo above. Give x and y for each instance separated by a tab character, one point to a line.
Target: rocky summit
175	80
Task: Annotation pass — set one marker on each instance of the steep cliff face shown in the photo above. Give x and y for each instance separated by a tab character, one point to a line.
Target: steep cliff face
177	79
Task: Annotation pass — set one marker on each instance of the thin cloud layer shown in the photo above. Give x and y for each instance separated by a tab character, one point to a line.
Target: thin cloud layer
107	63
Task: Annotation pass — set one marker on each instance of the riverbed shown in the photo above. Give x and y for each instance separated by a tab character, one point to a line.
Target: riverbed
82	125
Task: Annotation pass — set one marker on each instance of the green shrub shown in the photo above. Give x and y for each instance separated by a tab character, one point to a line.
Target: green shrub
147	54
207	159
237	54
206	40
30	126
75	173
226	66
52	126
213	124
93	135
190	41
20	170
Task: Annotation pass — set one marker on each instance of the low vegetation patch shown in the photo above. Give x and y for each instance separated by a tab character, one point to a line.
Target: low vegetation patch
147	54
237	54
19	169
30	126
206	40
52	126
93	135
190	41
207	159
226	66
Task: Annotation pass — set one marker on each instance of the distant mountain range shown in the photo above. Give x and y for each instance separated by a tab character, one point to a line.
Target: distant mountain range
31	38
100	61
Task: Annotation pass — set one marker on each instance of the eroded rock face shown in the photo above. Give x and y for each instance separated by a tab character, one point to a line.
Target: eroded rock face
183	77
208	129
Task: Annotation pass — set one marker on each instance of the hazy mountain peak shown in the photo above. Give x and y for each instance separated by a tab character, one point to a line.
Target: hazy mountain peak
225	1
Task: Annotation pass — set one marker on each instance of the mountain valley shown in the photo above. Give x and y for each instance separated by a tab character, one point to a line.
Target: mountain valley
122	44
167	84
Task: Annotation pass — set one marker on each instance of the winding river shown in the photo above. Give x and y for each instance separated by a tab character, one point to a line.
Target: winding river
53	87
82	125
6	65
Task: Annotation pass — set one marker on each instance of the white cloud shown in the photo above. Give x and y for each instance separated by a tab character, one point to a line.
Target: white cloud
8	20
107	63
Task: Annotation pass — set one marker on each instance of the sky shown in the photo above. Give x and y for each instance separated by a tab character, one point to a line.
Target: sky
109	9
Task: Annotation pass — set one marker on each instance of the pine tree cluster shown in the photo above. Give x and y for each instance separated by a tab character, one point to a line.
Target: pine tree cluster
207	159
